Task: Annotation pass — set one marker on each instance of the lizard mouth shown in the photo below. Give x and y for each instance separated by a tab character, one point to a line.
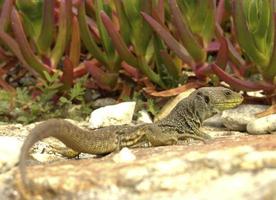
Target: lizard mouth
228	104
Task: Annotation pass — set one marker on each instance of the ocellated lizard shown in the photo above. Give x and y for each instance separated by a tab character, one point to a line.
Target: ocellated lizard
183	122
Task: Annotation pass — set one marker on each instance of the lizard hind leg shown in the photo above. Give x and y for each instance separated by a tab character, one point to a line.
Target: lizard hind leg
67	152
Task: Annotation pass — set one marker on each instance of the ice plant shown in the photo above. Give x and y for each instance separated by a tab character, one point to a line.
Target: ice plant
40	33
139	36
155	42
193	35
105	70
255	29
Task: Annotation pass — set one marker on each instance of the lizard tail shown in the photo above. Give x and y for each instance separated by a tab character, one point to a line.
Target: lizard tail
41	131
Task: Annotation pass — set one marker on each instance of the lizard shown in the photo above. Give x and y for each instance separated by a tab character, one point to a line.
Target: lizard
184	121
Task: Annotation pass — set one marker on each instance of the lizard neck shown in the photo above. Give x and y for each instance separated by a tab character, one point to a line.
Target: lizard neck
187	116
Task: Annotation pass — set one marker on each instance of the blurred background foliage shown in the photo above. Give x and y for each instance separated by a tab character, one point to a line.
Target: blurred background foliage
119	47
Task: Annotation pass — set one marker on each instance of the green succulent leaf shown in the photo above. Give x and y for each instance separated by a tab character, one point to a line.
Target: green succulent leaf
46	34
172	43
99	6
118	41
256	43
199	16
188	39
86	36
6	8
259	18
138	26
24	46
32	15
124	22
270	72
63	31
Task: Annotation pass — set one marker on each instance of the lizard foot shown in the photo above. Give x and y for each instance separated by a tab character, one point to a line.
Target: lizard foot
67	152
196	137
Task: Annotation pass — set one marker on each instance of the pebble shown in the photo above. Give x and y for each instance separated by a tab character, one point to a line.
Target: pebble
118	114
262	125
144	117
125	155
237	119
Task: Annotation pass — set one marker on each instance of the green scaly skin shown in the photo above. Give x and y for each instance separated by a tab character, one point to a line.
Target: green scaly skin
183	122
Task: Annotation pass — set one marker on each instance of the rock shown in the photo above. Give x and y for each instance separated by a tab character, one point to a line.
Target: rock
237	119
144	117
218	132
258	93
112	115
6	191
98	103
262	125
242	167
44	151
17	130
166	109
125	155
214	121
48	150
9	152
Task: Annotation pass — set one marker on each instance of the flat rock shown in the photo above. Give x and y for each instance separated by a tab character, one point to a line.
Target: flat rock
50	149
17	130
235	167
237	119
262	125
221	132
112	115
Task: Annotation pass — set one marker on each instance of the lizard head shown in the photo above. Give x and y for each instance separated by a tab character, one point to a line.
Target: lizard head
201	104
211	100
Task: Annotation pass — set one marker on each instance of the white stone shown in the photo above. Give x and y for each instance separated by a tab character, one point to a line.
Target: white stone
214	121
258	93
262	125
125	155
237	119
112	115
144	117
9	152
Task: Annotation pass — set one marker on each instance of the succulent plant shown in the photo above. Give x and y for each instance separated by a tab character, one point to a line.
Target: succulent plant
154	42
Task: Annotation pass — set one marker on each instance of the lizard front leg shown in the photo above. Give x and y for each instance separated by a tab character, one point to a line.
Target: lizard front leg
162	136
158	136
203	135
198	135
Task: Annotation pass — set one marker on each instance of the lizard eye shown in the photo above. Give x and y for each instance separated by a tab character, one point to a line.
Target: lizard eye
206	99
